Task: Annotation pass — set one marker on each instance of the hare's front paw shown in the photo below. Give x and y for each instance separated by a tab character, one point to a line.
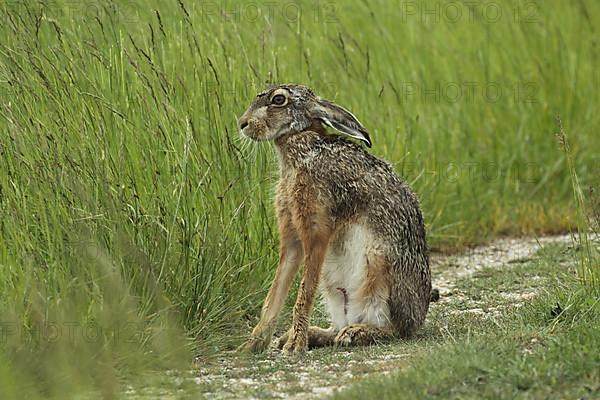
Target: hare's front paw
295	344
254	345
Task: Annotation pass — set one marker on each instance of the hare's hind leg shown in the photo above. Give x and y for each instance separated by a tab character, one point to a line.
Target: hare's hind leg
369	313
317	337
410	294
362	335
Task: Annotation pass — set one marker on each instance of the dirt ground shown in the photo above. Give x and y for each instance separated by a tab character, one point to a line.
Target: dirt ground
324	371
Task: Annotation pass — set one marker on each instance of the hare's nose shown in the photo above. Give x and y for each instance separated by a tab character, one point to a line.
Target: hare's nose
243	123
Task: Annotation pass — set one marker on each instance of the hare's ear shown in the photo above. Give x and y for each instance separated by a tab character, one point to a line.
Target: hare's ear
339	118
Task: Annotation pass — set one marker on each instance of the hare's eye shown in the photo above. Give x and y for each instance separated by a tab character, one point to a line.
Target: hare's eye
278	100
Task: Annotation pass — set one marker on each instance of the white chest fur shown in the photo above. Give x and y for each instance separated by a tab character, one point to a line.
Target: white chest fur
344	277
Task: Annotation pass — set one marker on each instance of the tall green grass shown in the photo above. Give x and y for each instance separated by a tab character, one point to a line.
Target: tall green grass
589	257
127	196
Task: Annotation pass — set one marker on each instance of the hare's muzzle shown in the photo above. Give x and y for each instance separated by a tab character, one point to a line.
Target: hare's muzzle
243	123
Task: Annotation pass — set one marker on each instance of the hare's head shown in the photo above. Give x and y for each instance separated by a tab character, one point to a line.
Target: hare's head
289	109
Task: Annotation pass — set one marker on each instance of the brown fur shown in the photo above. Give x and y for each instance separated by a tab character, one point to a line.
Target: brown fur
378	277
317	337
327	185
310	219
362	335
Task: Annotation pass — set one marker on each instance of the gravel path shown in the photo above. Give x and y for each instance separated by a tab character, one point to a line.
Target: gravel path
320	373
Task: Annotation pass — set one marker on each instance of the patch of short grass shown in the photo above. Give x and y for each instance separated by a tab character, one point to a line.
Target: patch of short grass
546	347
453	345
519	280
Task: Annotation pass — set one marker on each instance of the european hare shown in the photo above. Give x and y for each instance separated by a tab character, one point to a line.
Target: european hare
356	225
